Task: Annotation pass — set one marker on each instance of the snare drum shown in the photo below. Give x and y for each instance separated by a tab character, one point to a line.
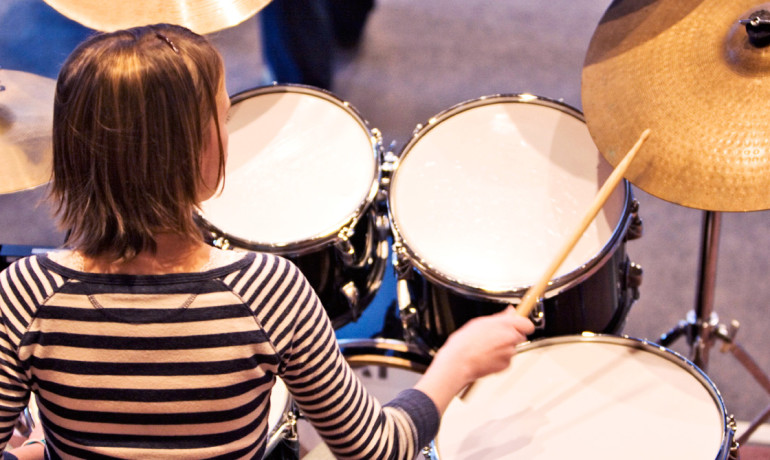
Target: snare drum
301	178
385	367
481	200
597	397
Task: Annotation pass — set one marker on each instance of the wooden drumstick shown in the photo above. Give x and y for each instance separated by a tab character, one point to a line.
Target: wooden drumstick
533	293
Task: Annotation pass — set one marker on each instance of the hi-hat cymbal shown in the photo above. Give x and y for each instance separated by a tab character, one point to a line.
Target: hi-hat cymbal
686	70
201	16
26	124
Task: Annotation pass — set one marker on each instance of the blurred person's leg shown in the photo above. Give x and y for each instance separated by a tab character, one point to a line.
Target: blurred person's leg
298	42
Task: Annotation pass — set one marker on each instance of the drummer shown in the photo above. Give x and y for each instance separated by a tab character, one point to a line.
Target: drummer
140	340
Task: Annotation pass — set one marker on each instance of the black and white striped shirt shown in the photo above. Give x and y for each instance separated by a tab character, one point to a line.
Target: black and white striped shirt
182	365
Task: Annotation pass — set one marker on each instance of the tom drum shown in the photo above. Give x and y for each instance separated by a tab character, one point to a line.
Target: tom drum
482	198
302	177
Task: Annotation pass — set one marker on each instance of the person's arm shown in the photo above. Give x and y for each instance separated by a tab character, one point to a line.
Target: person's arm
482	346
353	423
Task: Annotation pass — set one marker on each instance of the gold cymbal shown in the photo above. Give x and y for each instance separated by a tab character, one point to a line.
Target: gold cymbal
26	124
201	16
686	70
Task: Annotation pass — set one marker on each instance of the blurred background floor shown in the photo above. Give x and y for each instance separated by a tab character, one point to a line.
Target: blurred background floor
417	59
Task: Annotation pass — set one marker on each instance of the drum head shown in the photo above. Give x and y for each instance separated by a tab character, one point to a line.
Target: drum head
279	404
487	193
301	165
599	398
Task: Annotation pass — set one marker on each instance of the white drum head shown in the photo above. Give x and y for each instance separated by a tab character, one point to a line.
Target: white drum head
279	404
586	400
488	195
301	165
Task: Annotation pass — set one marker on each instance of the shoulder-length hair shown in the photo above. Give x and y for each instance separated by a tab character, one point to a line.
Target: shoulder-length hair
131	116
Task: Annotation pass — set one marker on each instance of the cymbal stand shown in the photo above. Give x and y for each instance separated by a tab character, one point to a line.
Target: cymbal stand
702	326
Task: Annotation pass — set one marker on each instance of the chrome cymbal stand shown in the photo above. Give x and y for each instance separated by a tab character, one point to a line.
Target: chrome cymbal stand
702	326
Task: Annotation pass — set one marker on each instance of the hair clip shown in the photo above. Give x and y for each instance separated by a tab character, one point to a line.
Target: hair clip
167	40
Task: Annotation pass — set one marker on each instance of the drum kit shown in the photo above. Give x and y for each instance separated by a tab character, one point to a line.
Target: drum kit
470	211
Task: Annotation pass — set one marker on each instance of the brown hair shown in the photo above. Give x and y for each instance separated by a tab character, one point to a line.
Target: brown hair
131	116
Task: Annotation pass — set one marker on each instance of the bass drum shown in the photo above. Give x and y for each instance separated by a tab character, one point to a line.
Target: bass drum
482	198
302	178
589	397
385	367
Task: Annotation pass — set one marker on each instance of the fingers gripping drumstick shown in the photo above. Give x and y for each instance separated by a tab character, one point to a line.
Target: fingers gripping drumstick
534	292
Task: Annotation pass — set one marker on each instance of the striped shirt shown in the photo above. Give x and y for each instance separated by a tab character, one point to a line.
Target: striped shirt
182	365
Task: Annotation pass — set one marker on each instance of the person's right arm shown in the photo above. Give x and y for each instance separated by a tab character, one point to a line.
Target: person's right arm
482	346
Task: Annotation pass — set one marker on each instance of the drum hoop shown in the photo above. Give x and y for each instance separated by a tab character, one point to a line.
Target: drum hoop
317	241
389	352
513	295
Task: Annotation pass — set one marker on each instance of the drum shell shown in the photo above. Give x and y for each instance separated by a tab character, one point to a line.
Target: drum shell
595	295
599	303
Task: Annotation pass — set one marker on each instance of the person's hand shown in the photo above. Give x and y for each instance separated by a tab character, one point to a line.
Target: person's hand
482	346
485	345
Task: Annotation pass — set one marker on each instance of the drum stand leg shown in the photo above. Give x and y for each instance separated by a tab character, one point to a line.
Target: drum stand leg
702	326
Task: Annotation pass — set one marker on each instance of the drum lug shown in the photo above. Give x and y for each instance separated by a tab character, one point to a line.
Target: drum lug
344	247
417	129
388	165
732	426
401	263
537	314
407	311
221	243
352	296
291	427
376	138
636	227
633	276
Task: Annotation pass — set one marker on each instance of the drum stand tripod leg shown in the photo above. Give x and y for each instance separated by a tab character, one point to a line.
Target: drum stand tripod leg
748	362
702	326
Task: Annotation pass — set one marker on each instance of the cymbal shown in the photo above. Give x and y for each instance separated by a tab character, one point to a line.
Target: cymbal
26	125
686	70
201	16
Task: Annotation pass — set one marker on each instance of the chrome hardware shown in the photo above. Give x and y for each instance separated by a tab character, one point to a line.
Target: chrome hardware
755	21
633	275
221	243
344	248
26	423
635	227
351	294
388	165
537	314
291	420
408	312
727	334
732	425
